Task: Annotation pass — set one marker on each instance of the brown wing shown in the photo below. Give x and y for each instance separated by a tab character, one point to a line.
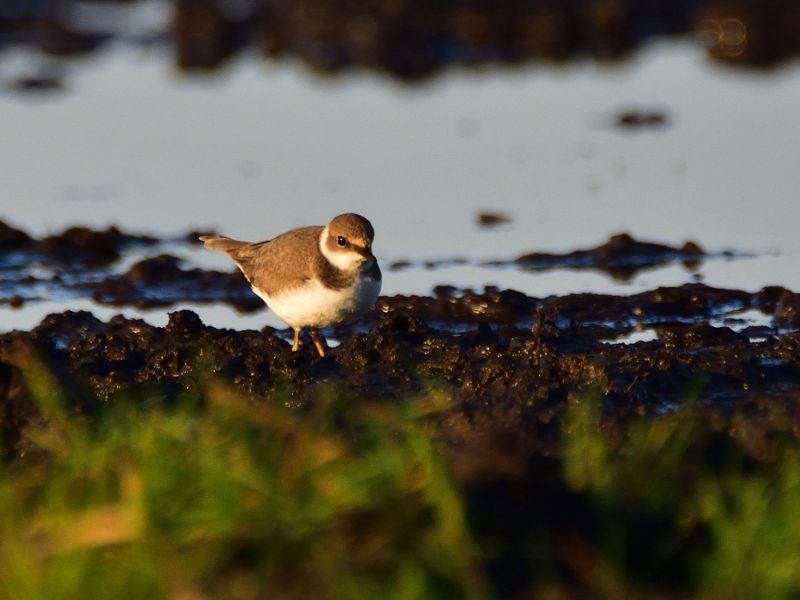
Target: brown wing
282	262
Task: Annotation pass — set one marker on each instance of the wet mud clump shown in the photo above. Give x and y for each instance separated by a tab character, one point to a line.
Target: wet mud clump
161	281
631	119
13	239
489	219
68	263
89	247
622	257
73	246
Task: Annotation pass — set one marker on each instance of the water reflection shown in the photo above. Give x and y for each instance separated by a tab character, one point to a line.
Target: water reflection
411	39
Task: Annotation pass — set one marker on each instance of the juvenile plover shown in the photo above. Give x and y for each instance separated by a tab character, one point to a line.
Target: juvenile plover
312	276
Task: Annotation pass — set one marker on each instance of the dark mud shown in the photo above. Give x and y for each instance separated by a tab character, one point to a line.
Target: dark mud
162	281
80	246
492	219
511	364
622	257
631	119
81	263
506	359
411	40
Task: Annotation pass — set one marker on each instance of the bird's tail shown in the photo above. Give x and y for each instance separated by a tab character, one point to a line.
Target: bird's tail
225	244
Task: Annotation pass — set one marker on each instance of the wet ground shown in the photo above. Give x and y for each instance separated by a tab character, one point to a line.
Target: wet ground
507	359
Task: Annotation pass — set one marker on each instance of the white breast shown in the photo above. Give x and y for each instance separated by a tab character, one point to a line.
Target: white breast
314	305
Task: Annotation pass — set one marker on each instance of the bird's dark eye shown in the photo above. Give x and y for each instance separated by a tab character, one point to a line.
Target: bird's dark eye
341	241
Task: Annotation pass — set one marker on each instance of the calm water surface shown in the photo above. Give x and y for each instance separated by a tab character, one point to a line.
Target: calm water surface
268	146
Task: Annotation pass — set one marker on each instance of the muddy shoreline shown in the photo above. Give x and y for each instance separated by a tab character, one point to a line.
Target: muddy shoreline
501	354
507	360
80	262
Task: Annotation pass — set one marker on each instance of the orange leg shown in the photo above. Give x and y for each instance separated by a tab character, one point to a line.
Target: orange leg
317	341
296	340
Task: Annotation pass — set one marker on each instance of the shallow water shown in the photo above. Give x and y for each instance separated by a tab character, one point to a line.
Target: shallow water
267	146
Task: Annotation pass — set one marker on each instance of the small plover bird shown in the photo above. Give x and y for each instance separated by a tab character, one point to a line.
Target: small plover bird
312	276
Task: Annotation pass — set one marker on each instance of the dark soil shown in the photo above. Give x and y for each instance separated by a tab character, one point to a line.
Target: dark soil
73	246
508	360
498	353
622	257
162	281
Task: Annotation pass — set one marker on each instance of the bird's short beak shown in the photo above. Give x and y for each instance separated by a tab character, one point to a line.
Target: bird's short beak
368	255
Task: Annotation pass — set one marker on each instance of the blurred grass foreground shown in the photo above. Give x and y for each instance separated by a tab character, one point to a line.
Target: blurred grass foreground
217	496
